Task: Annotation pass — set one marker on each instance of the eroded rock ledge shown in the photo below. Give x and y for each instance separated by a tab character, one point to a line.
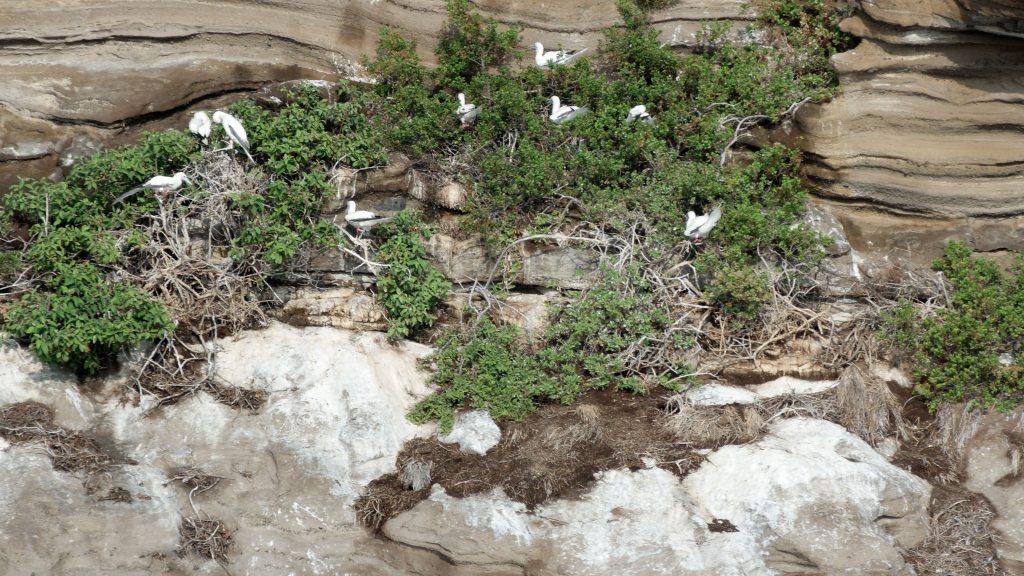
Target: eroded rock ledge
925	142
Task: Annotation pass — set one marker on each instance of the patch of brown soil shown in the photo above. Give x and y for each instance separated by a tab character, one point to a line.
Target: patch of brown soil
921	453
555	452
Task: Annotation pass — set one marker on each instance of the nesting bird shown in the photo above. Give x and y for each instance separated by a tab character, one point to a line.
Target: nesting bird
562	114
467	113
235	131
546	59
639	114
200	125
698	227
161	185
358	218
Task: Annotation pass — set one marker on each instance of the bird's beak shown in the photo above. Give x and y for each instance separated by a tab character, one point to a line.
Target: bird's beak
186	180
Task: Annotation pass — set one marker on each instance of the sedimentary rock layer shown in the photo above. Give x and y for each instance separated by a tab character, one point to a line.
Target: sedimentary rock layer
927	138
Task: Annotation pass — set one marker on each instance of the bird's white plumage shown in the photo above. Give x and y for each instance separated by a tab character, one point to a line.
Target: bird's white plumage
561	114
200	125
551	57
158	184
467	113
698	227
353	215
235	131
639	113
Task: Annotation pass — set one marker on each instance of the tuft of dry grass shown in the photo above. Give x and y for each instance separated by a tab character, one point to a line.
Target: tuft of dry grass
70	451
713	426
959	538
204	538
861	403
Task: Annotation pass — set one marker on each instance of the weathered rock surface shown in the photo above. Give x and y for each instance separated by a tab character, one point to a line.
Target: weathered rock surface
549	266
992	462
808	498
335	419
923	145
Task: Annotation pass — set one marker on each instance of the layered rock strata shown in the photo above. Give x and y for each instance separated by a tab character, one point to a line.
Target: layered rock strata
926	142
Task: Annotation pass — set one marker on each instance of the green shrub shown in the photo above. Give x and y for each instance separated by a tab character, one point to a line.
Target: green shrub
490	367
81	320
410	289
470	45
311	134
485	368
956	351
739	290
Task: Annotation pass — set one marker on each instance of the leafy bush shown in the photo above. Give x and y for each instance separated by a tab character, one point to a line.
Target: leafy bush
956	351
311	134
486	368
80	320
490	367
410	289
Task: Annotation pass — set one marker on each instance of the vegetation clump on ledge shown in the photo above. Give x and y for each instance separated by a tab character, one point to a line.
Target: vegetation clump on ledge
96	276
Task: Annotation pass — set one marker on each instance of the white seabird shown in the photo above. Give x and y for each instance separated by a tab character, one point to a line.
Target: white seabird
235	131
551	57
467	113
200	125
159	184
640	113
562	114
698	227
361	220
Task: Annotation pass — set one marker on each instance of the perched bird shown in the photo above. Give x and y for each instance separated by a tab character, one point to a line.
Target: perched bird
467	113
353	215
200	125
639	113
698	227
562	114
236	133
546	59
161	185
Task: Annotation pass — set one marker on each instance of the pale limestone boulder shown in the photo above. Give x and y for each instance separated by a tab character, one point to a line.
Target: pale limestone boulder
819	499
475	432
992	462
334	420
808	498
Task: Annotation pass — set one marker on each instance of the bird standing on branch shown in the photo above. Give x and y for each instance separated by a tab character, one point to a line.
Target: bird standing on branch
467	113
639	113
200	125
161	185
562	114
235	131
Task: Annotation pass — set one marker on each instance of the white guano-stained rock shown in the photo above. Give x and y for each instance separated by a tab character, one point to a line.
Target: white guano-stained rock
334	420
475	432
817	498
808	498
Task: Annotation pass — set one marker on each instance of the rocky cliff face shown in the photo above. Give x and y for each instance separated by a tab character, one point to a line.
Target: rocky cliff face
80	74
925	143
